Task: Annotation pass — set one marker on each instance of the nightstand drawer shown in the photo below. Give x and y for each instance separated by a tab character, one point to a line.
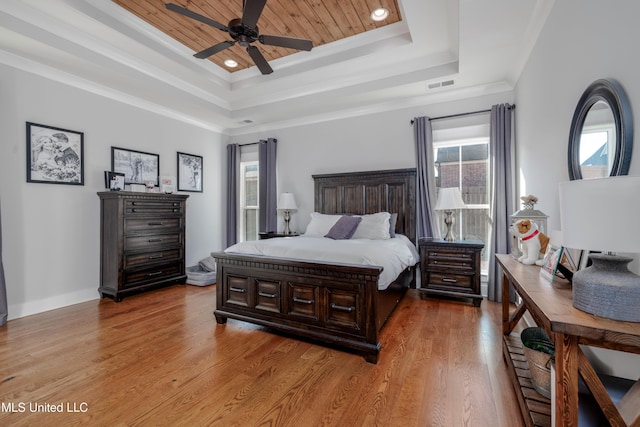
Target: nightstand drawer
461	261
448	280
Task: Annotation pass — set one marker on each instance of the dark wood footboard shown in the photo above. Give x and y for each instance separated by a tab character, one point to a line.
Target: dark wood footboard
334	303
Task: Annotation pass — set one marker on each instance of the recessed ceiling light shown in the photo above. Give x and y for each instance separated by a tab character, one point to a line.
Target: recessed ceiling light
230	63
380	14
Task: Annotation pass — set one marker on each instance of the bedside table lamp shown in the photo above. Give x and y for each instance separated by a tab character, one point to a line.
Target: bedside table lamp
449	199
602	215
287	203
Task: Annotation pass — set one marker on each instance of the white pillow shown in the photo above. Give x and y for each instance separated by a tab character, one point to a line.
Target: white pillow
373	226
321	224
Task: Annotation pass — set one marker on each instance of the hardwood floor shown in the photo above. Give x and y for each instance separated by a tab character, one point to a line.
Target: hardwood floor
159	358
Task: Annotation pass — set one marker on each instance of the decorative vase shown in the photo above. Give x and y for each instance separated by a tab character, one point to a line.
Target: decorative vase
608	289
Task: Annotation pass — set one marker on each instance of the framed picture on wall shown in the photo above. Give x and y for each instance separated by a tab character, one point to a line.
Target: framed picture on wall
138	167
189	172
54	155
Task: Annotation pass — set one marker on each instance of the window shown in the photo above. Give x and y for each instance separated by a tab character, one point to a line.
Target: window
465	164
248	201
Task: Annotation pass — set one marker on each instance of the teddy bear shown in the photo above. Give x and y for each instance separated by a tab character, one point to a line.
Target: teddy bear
534	242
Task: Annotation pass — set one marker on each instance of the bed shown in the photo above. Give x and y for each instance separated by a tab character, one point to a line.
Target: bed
335	303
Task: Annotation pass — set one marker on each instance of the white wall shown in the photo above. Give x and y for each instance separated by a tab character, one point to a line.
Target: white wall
370	142
582	41
51	247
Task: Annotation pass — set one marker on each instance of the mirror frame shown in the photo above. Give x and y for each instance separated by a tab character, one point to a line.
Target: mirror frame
611	92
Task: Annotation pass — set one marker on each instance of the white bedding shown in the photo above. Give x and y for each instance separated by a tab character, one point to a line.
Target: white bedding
394	255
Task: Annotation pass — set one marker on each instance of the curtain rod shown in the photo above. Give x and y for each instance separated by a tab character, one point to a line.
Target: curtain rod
252	143
464	114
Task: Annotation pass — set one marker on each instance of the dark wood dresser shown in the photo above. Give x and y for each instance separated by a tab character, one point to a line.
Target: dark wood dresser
451	268
142	241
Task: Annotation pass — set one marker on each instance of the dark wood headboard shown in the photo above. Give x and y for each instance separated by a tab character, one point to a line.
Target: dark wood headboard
362	193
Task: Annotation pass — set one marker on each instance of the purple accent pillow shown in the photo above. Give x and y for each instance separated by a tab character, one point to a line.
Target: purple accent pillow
392	224
344	228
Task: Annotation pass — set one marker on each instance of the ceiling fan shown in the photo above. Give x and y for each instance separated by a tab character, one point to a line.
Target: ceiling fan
244	31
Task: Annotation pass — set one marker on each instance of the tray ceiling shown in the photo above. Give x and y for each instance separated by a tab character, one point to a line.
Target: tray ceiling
322	21
140	53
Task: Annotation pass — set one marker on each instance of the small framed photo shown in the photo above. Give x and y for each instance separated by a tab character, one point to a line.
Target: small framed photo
552	259
167	184
114	181
189	172
54	155
569	263
138	167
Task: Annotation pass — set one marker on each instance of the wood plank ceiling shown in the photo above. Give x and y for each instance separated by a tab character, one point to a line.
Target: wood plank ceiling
322	21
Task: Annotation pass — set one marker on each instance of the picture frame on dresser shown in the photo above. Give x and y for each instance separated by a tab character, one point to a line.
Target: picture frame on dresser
114	181
54	155
190	168
138	167
167	184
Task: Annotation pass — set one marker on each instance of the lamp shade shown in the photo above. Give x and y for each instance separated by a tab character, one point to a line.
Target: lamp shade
601	214
287	202
449	199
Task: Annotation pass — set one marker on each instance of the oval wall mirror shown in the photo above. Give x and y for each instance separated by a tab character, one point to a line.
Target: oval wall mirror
601	135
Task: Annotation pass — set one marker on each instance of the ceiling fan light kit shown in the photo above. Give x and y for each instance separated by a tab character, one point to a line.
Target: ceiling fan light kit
244	31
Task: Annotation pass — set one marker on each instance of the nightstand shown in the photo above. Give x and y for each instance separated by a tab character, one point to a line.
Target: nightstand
451	268
271	234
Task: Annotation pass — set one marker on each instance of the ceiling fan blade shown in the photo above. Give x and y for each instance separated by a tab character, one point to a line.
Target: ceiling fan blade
290	42
252	12
214	49
259	60
189	14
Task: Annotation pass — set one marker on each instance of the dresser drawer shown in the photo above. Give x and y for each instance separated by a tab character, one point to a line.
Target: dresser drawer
149	241
436	279
137	207
135	260
136	225
158	272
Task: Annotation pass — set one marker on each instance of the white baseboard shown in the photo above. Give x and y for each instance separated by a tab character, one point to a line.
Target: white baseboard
15	311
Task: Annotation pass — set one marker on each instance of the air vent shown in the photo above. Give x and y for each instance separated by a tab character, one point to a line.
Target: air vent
440	84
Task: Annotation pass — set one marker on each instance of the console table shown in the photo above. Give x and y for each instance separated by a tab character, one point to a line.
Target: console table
550	305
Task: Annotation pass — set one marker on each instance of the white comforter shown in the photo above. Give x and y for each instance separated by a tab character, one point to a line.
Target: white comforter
394	255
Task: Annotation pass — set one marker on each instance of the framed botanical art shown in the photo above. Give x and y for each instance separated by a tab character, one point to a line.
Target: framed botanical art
54	155
138	167
189	172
